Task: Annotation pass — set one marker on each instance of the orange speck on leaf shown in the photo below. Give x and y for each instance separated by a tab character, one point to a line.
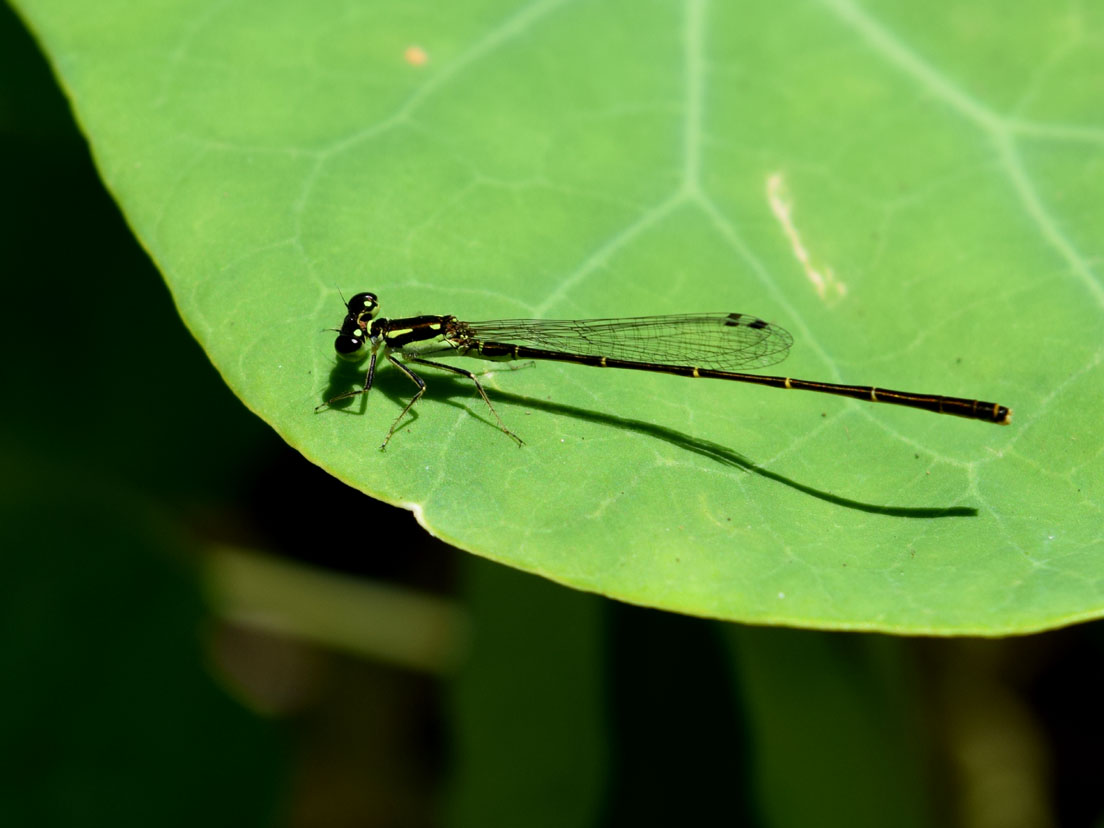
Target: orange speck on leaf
416	56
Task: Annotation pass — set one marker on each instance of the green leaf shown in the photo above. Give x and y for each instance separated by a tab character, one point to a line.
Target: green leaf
914	194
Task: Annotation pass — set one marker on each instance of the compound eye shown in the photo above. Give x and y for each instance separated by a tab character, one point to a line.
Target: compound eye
364	303
349	346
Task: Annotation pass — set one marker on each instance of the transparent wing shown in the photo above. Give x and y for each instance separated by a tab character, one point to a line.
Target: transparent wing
723	342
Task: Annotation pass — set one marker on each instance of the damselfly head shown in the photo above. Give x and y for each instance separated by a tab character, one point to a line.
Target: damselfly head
350	343
353	334
363	305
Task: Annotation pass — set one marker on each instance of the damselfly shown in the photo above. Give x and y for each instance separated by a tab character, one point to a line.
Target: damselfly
709	345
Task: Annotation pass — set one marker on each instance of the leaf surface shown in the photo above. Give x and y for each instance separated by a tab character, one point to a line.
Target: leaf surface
915	195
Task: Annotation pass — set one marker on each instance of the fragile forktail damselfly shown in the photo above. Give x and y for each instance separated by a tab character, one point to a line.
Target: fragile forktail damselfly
709	345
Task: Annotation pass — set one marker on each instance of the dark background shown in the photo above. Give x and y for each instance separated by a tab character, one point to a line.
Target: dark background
127	699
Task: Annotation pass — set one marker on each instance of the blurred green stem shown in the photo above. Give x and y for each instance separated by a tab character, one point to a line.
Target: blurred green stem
379	621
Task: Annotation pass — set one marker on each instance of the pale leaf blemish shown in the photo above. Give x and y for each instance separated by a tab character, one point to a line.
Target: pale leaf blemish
416	56
824	282
418	511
